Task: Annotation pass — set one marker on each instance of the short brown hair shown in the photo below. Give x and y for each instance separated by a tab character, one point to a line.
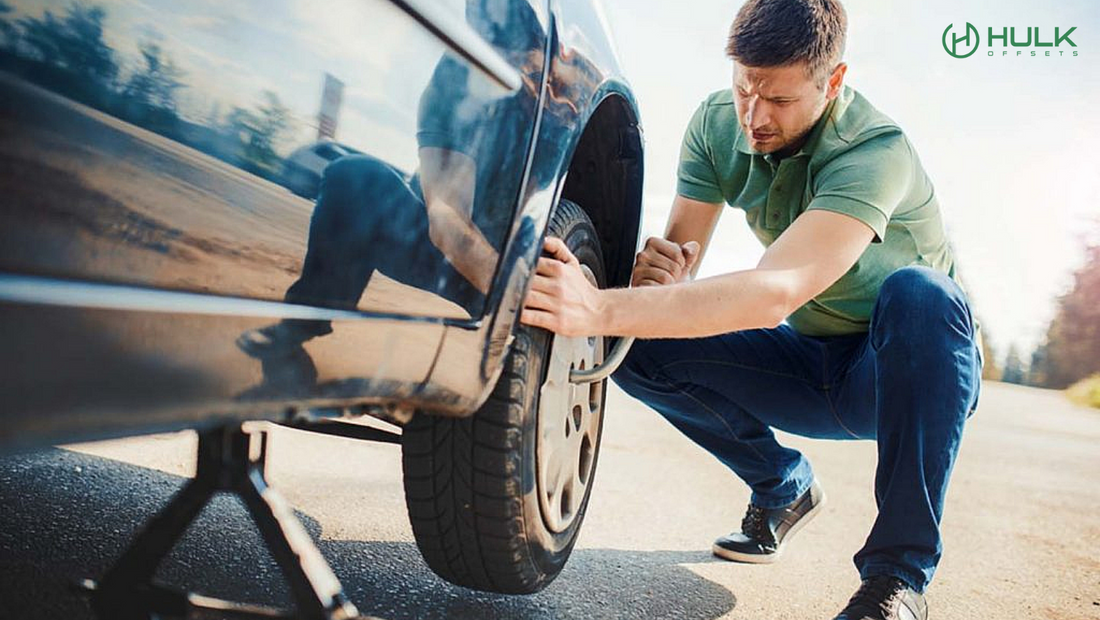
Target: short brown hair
773	33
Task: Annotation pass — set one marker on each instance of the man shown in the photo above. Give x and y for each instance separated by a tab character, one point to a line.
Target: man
852	325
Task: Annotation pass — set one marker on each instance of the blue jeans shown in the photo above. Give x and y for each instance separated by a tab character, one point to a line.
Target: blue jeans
910	383
369	216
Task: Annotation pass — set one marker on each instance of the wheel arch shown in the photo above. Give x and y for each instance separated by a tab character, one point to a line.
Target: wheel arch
604	176
597	160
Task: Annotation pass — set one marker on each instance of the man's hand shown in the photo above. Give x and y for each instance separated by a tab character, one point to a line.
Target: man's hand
561	298
664	262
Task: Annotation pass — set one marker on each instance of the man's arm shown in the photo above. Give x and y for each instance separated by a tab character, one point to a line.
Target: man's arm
814	252
676	256
692	220
448	179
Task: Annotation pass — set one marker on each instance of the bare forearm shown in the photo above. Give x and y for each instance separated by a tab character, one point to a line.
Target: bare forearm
691	220
462	243
754	298
449	178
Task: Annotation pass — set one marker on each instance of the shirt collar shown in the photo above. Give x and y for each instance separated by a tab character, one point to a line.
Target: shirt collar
833	111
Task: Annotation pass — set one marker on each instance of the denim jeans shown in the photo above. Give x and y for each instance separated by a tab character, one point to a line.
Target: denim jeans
369	217
910	383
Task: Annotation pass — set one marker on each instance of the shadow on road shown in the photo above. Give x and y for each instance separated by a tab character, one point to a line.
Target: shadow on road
66	516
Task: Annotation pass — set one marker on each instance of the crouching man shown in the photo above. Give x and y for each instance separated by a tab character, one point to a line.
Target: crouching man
852	326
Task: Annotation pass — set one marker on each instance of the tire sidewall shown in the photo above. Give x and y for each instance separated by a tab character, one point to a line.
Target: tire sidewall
549	549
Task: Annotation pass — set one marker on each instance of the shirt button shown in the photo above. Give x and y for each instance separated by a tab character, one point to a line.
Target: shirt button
778	188
775	216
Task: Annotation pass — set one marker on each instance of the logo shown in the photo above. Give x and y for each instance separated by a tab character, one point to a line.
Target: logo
1015	41
953	48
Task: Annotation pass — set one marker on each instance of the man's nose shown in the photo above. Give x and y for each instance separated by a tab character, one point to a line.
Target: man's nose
756	115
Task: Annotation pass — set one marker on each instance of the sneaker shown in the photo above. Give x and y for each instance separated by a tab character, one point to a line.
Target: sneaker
765	530
885	597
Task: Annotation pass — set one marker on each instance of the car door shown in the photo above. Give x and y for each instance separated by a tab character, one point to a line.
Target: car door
143	153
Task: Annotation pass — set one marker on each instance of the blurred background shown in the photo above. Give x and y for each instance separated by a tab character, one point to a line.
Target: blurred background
1012	145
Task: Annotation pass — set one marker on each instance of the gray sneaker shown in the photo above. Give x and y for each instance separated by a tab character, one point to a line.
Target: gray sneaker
764	531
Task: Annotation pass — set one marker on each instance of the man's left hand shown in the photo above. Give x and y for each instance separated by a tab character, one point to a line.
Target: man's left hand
561	298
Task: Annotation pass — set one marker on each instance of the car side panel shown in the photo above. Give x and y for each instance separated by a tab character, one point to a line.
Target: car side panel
76	373
151	153
144	234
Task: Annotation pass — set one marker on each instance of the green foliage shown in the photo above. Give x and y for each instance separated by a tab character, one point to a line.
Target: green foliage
1086	391
155	84
73	42
68	54
991	371
1014	371
261	131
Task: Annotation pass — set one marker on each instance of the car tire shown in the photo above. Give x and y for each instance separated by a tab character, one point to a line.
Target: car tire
496	500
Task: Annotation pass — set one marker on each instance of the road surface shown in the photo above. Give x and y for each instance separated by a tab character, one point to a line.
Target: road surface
1022	535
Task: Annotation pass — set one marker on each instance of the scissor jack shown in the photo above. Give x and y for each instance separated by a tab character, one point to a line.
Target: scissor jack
232	459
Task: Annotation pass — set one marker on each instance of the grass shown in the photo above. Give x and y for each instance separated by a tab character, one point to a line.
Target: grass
1086	391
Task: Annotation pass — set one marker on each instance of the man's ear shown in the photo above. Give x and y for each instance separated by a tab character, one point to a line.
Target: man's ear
836	80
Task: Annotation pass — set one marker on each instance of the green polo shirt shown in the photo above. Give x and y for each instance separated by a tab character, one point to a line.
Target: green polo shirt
855	161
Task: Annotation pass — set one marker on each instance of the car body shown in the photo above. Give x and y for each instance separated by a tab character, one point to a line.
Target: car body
154	275
141	237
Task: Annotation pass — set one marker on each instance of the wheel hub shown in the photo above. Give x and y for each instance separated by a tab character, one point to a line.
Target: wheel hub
568	427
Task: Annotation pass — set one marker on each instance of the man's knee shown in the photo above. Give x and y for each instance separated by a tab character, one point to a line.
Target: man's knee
354	178
917	282
360	195
916	302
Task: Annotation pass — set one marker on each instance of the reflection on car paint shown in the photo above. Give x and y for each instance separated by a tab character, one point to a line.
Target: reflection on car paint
146	150
162	133
439	229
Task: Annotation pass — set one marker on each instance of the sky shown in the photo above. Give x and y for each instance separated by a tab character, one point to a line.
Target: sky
1012	144
229	56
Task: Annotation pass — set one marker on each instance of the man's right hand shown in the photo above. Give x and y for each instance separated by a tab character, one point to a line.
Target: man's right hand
664	262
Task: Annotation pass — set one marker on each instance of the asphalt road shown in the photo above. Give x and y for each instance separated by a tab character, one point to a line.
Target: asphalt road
1022	535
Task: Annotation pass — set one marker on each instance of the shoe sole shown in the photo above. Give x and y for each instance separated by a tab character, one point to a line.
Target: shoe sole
751	558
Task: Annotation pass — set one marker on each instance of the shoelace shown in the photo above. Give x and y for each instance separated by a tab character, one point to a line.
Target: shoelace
755	525
876	595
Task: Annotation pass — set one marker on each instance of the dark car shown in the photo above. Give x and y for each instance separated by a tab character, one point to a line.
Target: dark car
154	276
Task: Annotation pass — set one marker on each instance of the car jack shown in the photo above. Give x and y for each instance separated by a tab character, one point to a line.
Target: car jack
231	459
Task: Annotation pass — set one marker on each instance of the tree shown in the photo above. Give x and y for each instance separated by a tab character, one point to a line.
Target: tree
74	42
8	34
1014	367
1073	337
1037	370
155	84
990	369
261	132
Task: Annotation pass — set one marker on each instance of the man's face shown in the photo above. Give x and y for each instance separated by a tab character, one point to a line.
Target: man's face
778	106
